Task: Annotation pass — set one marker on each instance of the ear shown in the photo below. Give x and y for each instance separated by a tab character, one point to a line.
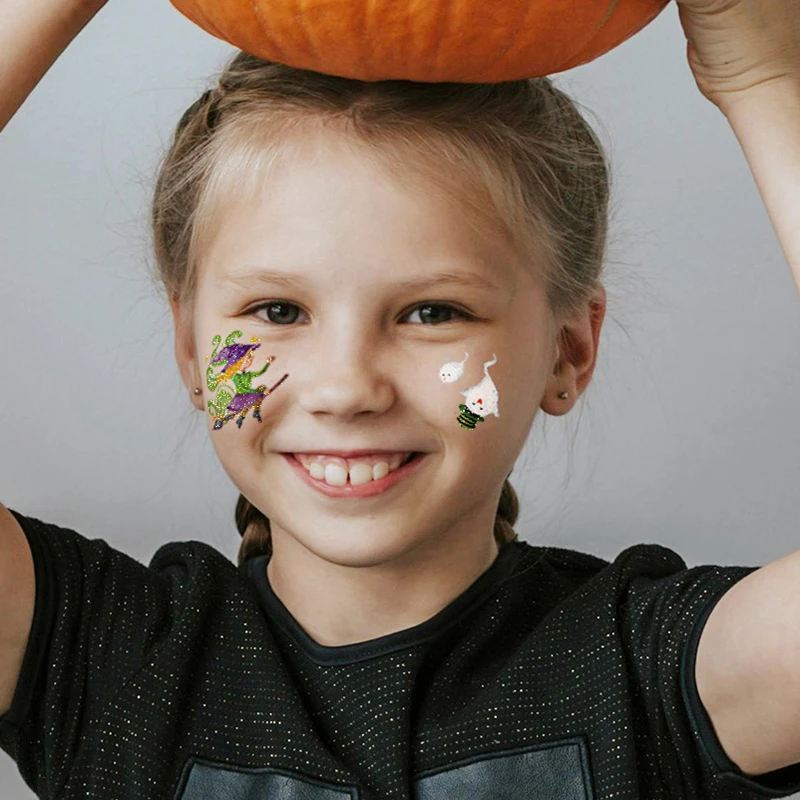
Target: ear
577	348
185	353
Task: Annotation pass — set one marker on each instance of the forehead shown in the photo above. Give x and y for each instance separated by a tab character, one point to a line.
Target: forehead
335	216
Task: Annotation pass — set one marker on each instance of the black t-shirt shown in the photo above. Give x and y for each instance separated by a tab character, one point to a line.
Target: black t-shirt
556	675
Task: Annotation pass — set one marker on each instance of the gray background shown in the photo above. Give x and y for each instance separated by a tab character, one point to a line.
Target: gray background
688	435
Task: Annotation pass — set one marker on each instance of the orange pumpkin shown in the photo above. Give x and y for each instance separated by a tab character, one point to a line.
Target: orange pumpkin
464	41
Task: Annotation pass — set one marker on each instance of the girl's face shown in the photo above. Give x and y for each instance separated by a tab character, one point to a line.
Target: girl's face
320	268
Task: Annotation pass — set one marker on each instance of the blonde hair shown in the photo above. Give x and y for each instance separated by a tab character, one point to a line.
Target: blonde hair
516	157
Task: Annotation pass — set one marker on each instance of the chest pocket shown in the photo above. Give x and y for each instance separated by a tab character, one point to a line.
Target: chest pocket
213	781
555	772
558	771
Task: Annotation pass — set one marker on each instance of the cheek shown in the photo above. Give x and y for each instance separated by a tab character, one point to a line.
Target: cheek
464	392
236	392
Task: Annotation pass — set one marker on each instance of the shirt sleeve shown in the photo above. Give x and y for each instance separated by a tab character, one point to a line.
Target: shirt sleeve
662	618
97	614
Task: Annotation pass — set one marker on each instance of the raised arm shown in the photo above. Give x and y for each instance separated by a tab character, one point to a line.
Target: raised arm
17	603
33	34
745	58
767	124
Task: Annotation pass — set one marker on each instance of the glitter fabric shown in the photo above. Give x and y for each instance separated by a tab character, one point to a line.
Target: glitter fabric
556	675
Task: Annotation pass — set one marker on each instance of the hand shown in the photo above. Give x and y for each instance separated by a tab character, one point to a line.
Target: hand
734	46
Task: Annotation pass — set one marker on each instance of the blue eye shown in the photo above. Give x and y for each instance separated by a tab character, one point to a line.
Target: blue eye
285	309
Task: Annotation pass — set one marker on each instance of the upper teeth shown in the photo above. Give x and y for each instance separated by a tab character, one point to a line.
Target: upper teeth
335	470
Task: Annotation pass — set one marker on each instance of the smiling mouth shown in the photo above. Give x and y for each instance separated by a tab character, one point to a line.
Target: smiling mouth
357	470
370	488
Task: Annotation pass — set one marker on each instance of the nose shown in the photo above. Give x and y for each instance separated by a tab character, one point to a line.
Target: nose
346	375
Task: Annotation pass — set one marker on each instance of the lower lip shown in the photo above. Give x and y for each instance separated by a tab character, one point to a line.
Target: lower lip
365	489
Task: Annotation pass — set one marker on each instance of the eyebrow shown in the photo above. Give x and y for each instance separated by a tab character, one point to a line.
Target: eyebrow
470	280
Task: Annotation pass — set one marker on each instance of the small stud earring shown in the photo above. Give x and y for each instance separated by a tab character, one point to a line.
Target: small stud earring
563	395
198	390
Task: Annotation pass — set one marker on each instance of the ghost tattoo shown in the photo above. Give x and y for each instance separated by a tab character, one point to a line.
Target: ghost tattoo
452	371
481	399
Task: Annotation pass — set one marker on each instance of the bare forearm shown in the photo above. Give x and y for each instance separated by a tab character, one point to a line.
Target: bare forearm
767	124
33	34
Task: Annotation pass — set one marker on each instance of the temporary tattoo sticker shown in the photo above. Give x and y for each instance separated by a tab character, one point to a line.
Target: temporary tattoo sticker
452	371
234	401
481	398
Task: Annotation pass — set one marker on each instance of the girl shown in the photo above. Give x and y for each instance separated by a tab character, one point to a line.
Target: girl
367	281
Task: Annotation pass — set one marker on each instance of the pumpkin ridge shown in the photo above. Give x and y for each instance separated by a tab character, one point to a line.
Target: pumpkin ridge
610	13
434	41
261	24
